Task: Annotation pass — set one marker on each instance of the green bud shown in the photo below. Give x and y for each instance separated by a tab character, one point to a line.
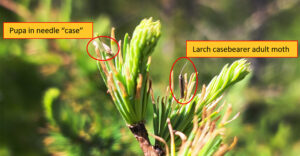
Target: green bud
145	37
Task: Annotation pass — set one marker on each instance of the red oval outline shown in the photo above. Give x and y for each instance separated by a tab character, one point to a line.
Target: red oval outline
196	81
105	37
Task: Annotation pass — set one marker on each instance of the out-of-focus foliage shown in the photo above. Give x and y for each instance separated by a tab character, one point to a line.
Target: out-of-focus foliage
269	102
78	129
269	111
29	67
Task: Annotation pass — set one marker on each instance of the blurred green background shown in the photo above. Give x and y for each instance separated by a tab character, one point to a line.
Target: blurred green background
87	122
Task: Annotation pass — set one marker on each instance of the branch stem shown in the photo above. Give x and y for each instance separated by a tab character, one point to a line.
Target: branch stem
140	133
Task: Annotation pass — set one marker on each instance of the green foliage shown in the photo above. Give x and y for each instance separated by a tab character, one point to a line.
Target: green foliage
77	129
268	102
181	116
127	81
127	84
227	77
50	96
269	111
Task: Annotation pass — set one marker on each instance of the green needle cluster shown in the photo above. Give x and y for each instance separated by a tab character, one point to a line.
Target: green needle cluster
181	116
227	77
205	139
127	80
126	76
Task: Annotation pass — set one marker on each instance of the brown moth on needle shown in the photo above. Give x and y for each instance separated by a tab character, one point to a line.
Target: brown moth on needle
182	82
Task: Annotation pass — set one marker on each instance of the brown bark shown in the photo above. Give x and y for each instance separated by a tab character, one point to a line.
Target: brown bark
141	134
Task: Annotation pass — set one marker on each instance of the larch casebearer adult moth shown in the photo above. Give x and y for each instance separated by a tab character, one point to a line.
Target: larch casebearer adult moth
181	82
